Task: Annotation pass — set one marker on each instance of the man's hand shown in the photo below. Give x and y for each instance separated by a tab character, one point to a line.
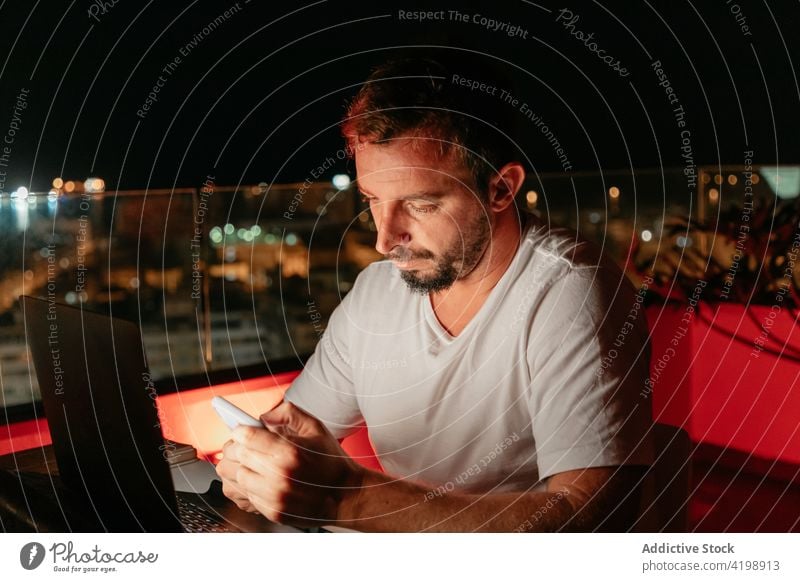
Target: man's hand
227	469
294	473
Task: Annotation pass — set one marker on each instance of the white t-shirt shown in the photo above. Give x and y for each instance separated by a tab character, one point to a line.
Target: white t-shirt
545	378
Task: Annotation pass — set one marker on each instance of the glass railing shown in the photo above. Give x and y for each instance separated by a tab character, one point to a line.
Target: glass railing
731	226
234	282
224	282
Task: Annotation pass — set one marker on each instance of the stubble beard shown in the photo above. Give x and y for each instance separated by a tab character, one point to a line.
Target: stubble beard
455	263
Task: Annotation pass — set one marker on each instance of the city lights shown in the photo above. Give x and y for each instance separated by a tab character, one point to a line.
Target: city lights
94	185
341	181
215	235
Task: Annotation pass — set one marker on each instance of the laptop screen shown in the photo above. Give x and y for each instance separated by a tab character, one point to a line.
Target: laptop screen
101	408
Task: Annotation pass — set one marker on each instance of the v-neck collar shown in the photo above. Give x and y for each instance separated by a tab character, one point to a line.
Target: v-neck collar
497	292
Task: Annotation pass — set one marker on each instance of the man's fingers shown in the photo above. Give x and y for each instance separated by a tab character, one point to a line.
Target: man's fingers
276	416
297	420
229	450
262	452
258	439
275	502
226	469
233	491
283	464
258	484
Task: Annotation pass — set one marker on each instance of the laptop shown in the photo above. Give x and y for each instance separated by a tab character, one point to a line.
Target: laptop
106	431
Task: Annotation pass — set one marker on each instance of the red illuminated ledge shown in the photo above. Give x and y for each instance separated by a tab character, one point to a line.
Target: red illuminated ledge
187	417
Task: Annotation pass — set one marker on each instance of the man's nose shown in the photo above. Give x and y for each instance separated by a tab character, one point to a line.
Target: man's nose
391	227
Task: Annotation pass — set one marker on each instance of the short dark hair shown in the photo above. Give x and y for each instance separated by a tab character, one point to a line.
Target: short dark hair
423	98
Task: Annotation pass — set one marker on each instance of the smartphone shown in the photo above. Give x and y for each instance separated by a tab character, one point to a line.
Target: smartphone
232	415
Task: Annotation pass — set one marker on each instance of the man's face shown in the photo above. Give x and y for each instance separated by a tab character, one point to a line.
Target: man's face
431	221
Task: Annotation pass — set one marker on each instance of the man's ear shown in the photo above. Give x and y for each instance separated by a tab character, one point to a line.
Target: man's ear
504	185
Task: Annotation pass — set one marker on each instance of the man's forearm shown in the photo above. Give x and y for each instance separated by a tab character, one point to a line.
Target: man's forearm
303	476
381	503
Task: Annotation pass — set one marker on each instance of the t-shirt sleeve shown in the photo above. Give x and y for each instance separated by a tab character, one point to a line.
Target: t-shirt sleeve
588	354
325	387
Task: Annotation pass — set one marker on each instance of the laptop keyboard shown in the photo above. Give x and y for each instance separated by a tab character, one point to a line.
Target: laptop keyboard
198	519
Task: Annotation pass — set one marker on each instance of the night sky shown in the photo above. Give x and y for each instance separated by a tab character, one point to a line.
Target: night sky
252	91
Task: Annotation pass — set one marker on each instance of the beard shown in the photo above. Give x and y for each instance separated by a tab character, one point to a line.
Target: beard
455	262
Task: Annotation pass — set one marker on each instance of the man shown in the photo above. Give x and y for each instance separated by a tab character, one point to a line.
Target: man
493	359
